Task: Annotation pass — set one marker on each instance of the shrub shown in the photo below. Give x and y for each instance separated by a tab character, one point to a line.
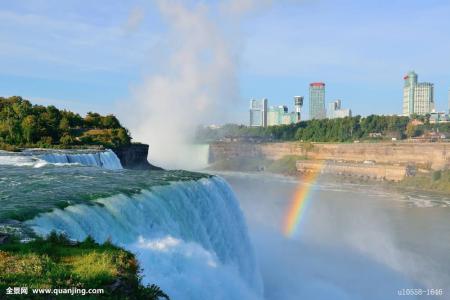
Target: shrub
437	175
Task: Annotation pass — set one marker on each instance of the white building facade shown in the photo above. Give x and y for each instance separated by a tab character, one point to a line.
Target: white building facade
418	97
258	113
335	110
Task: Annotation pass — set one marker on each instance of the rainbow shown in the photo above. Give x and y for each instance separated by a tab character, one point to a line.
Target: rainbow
299	203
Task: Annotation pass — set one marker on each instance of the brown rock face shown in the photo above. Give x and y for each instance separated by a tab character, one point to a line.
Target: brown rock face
423	155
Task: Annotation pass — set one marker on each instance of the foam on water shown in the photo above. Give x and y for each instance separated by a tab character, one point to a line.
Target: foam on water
22	161
190	237
104	159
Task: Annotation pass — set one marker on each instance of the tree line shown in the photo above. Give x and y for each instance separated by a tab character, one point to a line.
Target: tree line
23	124
326	130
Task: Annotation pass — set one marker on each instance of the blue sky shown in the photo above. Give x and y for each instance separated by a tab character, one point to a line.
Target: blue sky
88	55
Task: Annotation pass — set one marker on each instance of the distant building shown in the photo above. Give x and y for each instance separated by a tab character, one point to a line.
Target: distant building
298	103
449	102
439	117
418	97
275	115
280	115
317	100
336	111
258	113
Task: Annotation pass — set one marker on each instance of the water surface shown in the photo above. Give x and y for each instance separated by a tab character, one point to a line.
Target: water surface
355	241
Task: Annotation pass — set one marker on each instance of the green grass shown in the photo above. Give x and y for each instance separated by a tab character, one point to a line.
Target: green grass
240	164
285	165
57	262
437	181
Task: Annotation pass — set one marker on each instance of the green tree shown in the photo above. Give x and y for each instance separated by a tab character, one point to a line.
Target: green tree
123	136
29	128
412	130
64	125
66	140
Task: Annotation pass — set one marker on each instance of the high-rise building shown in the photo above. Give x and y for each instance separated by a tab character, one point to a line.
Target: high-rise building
280	115
449	101
418	97
298	103
317	100
336	111
275	115
258	113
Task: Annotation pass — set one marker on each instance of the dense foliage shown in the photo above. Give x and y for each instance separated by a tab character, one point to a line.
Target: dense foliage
326	130
56	262
25	125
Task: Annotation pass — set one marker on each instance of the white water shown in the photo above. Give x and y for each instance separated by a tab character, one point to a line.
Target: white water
190	237
104	159
21	161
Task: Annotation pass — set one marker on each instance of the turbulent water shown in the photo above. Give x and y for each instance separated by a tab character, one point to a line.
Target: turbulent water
186	229
38	158
354	241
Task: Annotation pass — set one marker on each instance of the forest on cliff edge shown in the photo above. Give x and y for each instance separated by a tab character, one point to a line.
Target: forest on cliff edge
23	124
373	127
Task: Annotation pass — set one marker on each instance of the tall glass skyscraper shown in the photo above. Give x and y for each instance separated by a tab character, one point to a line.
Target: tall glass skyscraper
258	113
317	100
418	97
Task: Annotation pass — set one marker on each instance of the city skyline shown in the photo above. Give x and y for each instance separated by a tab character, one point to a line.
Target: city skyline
276	53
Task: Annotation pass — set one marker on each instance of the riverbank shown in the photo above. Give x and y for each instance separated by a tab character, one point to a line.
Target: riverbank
432	156
283	166
105	270
437	182
408	165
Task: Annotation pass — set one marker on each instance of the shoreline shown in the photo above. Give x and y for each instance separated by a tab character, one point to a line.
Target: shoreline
421	167
396	186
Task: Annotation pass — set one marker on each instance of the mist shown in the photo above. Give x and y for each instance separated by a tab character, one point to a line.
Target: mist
351	243
194	81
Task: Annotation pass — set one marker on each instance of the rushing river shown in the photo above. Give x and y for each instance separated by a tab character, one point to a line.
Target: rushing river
186	229
353	242
221	237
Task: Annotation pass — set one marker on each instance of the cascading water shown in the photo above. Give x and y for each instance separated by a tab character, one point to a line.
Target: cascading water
104	159
190	237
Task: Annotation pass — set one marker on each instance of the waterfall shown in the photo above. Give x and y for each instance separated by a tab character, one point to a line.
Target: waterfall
189	237
36	158
105	159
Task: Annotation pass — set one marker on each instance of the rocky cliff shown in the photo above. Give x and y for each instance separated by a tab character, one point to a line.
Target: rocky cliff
423	155
134	157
